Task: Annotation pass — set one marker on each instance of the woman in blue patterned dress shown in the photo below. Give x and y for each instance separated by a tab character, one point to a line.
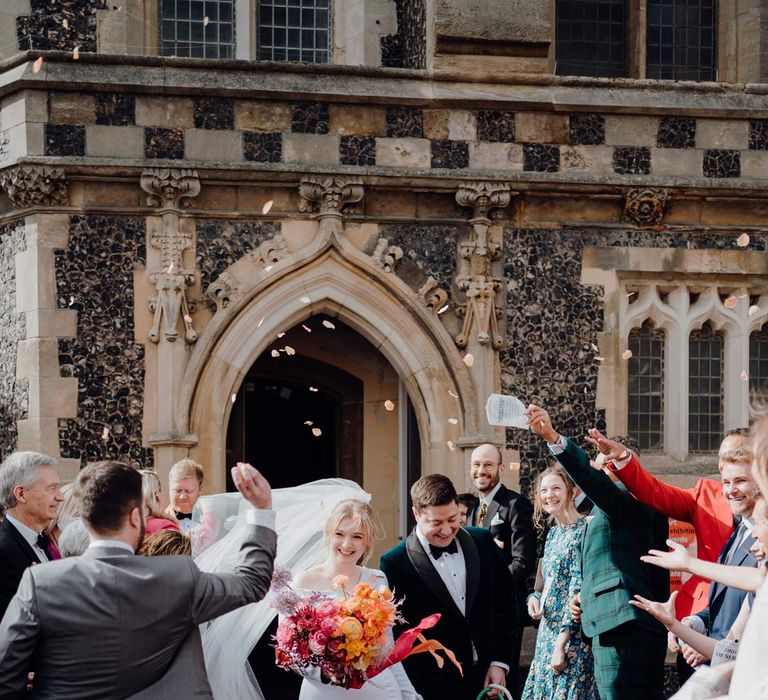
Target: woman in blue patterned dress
562	667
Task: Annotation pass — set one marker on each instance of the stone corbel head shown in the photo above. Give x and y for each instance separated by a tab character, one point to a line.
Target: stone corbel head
170	188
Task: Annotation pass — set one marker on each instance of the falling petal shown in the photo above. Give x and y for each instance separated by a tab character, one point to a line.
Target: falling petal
187	318
744	376
453	421
453	394
630	294
275	353
305	300
468	359
514	466
205	21
743	240
281	334
258	325
328	324
308	422
442	310
599	359
105	434
71	300
451	446
389	405
585	390
289	350
76	53
626	355
317	432
37	65
268	268
753	310
314	389
170	267
594	347
267	206
233	397
730	302
65	23
306	328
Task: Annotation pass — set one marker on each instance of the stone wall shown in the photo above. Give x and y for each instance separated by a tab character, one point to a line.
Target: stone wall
59	25
13	392
95	276
408	47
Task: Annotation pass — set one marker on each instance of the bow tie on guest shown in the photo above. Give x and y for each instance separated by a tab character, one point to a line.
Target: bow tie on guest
438	552
183	516
45	543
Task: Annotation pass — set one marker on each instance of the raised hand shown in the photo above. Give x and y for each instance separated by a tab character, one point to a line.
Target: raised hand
676	560
663	612
541	423
613	451
254	487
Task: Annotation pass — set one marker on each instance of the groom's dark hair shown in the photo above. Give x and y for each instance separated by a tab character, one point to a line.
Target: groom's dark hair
106	493
433	490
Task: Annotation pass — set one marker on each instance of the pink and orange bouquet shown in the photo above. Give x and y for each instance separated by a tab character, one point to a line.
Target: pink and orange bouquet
346	639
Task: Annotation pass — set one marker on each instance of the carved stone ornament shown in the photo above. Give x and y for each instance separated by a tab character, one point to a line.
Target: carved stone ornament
270	251
386	256
170	187
645	207
432	295
329	196
30	186
223	290
485	199
480	310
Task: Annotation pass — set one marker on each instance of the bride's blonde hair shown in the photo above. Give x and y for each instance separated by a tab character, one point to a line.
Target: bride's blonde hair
362	516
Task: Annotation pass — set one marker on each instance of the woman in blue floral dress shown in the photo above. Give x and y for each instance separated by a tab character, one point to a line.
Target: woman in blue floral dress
562	667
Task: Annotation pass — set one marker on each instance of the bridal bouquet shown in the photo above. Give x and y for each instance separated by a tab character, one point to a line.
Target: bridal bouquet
345	639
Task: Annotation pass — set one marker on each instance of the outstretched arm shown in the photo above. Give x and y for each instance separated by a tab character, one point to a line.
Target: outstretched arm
745	578
669	500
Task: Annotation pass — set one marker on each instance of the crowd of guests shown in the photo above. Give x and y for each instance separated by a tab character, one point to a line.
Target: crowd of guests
599	594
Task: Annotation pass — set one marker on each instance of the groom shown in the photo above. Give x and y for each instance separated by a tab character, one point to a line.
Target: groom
459	573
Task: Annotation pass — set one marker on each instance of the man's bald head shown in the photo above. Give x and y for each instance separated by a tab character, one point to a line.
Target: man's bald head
485	467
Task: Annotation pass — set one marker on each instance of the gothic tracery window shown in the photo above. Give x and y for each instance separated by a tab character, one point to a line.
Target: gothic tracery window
645	404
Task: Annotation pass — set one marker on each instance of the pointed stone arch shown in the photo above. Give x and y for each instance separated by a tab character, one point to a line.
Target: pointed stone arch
338	280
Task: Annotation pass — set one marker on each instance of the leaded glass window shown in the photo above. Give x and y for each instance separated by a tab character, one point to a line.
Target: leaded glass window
294	30
645	406
758	360
197	28
705	389
591	37
681	39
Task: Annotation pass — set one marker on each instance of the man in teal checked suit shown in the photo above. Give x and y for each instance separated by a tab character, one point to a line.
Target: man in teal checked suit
629	646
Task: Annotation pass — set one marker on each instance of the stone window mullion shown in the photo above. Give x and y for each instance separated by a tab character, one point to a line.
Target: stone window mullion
736	384
676	390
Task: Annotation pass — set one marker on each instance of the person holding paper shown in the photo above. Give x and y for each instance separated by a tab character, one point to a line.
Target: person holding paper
562	666
628	644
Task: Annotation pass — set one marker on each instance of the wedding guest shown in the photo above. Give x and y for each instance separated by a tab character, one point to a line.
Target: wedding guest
508	516
461	574
184	483
152	490
166	543
67	510
628	644
562	665
467	501
161	601
30	495
74	539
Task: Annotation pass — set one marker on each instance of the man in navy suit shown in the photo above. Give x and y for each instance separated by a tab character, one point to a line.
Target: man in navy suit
459	573
30	496
741	492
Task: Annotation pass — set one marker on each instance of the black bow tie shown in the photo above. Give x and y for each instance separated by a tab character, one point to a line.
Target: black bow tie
43	541
438	552
183	516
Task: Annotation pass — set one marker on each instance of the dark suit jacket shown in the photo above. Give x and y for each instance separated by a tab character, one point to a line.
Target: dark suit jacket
15	557
513	514
725	602
621	530
489	624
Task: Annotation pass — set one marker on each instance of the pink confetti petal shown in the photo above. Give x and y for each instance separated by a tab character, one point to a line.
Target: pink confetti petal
37	65
317	432
730	302
76	53
289	350
450	445
305	300
753	310
743	240
389	405
626	355
275	353
328	324
267	207
744	376
453	421
468	359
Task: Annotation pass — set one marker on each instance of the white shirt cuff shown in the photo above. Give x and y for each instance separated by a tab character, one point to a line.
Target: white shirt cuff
501	665
620	464
558	447
264	518
695	623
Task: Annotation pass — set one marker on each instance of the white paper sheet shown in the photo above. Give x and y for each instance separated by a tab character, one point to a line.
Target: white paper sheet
508	411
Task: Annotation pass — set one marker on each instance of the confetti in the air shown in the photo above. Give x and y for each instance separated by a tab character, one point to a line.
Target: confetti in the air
317	432
453	421
268	268
76	53
205	21
289	350
275	353
443	309
281	334
328	324
753	310
37	65
308	422
187	318
306	328
314	389
743	240
267	206
468	359
626	355
71	300
599	359
744	376
65	23
233	398
450	445
305	300
594	347
105	434
730	302
389	405
453	394
258	325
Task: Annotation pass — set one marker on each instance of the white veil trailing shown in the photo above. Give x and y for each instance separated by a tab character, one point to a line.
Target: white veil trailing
301	515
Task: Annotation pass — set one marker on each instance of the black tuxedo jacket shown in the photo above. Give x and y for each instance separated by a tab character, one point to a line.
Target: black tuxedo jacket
489	624
509	519
15	556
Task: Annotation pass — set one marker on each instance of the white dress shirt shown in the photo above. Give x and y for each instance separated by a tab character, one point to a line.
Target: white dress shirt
30	537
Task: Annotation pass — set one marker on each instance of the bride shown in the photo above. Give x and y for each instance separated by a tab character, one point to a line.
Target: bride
304	515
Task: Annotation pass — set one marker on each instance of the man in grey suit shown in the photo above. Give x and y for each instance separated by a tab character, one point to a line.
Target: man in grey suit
112	625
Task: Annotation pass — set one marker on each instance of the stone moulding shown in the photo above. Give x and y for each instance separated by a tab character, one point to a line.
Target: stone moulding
30	186
646	206
170	187
328	196
386	256
432	295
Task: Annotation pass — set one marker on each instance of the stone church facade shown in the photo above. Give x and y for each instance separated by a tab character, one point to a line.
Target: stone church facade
431	216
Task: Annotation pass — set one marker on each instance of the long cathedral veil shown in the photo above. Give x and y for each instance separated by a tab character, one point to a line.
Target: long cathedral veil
219	519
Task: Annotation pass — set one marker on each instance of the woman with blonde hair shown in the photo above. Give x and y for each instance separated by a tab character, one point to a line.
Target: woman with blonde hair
152	490
166	543
562	665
